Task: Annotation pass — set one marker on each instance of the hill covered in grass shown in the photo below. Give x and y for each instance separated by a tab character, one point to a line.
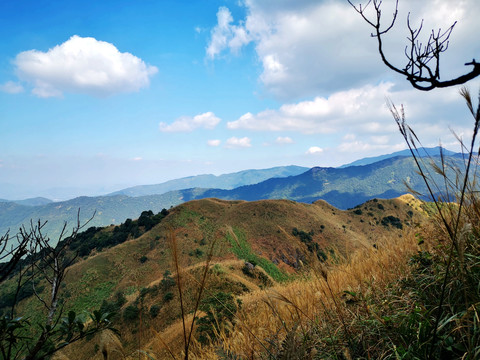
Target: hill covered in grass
253	246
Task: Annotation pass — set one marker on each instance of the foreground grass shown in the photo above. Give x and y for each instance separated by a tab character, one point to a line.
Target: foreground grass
379	304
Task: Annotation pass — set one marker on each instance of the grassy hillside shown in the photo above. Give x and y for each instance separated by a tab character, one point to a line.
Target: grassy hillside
256	245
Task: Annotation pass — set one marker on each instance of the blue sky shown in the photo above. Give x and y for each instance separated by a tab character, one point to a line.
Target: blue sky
100	95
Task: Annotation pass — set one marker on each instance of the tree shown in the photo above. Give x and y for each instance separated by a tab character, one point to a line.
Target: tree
423	60
32	259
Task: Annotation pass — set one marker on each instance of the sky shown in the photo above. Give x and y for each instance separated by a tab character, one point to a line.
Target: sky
96	96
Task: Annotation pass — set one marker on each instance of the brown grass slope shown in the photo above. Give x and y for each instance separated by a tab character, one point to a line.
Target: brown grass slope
260	230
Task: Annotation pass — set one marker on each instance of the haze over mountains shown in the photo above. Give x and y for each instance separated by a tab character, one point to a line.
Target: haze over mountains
226	181
342	187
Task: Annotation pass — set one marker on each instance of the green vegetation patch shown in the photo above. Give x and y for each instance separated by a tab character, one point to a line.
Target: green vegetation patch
93	298
242	249
187	216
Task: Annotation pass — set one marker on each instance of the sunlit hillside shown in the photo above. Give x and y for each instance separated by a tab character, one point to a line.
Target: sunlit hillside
256	247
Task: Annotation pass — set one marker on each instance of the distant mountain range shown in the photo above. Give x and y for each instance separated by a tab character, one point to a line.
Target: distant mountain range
30	202
435	151
343	187
226	181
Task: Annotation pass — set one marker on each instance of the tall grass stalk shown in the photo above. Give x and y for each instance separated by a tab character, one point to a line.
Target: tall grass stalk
459	190
188	332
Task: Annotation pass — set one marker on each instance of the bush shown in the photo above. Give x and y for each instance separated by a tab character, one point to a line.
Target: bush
167	297
131	313
167	282
220	309
154	310
393	221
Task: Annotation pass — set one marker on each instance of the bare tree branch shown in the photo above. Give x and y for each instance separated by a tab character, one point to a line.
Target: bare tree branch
31	259
423	60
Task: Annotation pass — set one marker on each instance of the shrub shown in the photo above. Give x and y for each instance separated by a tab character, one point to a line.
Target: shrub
220	310
131	313
154	310
393	221
168	296
167	282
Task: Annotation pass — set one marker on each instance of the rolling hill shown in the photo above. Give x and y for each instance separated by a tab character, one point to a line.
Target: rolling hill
255	246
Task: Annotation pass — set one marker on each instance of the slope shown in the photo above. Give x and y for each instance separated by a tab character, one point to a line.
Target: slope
280	237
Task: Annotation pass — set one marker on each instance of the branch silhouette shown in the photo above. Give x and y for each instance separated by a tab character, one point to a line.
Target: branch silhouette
423	60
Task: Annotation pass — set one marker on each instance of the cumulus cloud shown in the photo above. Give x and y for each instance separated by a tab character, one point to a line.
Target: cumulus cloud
314	150
306	46
206	120
235	142
11	87
83	65
358	107
225	35
214	142
284	140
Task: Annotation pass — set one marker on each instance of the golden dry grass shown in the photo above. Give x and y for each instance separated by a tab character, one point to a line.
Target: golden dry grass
315	300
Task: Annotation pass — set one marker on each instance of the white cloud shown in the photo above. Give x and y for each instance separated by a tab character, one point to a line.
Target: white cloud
366	148
138	158
83	65
235	142
314	150
215	142
284	140
356	107
310	46
225	35
206	120
11	87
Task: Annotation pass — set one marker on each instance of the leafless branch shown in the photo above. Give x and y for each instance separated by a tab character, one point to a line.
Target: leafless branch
423	60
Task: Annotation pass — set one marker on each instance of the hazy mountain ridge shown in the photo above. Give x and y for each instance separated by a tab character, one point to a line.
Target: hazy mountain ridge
423	152
225	181
36	201
341	187
107	209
